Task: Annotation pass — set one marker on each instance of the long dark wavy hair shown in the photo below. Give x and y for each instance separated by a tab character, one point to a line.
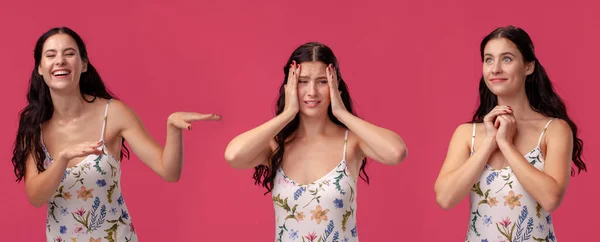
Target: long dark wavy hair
309	52
39	107
540	93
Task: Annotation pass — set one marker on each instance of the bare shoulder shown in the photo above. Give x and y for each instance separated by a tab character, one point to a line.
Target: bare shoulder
121	111
559	129
120	115
465	131
118	107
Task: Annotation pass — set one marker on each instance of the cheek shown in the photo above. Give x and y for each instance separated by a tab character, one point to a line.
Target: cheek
324	91
44	67
76	63
301	89
516	73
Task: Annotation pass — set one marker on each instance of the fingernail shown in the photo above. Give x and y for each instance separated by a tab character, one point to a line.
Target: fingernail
189	127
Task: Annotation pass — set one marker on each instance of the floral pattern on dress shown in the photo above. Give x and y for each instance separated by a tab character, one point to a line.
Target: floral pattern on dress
322	211
502	210
88	205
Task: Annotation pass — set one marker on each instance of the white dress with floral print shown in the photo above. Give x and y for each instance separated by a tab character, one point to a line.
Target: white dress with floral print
502	210
88	205
324	210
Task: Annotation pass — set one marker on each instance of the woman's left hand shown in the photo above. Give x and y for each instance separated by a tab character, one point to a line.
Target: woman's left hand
337	105
507	127
183	120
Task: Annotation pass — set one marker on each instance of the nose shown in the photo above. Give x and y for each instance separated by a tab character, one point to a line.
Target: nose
496	68
59	60
312	89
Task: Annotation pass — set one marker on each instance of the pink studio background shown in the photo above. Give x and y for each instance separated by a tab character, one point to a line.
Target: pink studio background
411	66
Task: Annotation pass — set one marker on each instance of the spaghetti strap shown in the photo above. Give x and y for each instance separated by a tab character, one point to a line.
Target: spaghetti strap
104	122
544	131
345	143
473	139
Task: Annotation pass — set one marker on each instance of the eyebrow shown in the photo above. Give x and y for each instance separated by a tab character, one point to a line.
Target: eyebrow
70	48
501	54
318	78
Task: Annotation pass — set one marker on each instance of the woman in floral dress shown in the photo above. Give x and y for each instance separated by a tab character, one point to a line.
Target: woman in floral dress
70	144
514	158
313	183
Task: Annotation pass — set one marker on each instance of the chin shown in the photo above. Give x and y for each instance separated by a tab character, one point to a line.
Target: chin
313	113
504	90
60	85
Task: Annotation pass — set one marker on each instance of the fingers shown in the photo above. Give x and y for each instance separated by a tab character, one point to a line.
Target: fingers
329	76
202	116
89	148
497	123
95	151
504	119
491	117
293	75
332	77
498	110
183	120
508	119
93	145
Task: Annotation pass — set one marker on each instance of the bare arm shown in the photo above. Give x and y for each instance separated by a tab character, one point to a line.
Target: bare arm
460	171
165	161
40	187
377	143
547	187
252	148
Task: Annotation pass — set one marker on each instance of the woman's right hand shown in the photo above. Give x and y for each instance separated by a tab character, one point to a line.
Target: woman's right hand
291	89
81	150
491	126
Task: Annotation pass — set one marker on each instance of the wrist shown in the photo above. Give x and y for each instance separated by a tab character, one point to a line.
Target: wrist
489	140
171	123
288	115
503	144
489	144
61	157
341	114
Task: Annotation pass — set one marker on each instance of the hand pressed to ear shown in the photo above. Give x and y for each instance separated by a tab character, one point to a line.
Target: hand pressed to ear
291	89
337	105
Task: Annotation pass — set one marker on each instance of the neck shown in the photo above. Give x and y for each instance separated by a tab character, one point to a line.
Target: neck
314	126
67	106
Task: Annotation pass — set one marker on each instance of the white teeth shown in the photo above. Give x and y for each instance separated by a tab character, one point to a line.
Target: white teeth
56	73
312	102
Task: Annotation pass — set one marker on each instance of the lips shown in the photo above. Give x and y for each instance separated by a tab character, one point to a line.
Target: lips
496	80
312	103
61	72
